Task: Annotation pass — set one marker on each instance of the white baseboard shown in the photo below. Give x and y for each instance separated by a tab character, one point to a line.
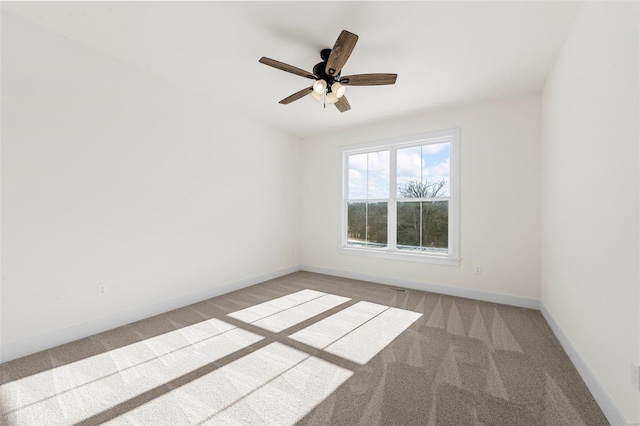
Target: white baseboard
504	299
50	340
608	407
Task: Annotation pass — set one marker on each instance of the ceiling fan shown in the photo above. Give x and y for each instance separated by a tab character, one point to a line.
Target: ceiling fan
329	84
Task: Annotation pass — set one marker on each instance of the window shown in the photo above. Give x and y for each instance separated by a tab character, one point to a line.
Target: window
401	198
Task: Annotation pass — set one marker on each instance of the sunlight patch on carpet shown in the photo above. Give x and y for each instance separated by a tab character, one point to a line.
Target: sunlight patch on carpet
297	314
76	391
324	332
358	333
275	384
270	307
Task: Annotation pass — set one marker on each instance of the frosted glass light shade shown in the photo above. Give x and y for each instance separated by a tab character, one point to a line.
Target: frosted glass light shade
331	98
319	86
338	89
316	96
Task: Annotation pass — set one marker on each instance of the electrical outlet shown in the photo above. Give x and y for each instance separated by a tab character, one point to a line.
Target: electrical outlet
103	289
478	270
635	375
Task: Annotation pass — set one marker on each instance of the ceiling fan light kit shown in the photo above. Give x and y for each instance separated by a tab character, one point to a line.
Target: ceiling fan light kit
327	74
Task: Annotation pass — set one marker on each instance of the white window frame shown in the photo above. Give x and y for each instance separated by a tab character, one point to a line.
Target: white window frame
452	258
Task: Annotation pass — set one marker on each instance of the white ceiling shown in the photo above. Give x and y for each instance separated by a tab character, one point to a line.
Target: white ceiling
445	53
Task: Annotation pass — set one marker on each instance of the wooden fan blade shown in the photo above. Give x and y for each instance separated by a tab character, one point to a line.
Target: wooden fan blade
297	95
368	79
286	67
343	104
341	52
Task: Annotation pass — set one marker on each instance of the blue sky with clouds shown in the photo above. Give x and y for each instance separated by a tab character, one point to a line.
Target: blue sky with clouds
369	173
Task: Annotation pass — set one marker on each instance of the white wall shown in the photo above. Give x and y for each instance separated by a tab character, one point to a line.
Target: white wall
110	174
590	195
500	184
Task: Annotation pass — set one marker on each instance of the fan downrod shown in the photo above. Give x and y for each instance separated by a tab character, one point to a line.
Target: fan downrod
324	54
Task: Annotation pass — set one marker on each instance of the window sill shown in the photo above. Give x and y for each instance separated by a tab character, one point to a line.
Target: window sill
409	257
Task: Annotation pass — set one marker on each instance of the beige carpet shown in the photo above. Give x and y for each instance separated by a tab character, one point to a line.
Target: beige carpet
313	350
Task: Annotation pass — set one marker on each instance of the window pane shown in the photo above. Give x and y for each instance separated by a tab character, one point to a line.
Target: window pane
423	171
435	227
358	177
409	169
408	225
377	225
378	176
366	224
435	169
356	224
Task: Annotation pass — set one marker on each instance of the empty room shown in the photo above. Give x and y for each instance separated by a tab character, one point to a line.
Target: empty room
320	213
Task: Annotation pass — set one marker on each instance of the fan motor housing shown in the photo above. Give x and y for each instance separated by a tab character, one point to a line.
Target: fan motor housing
319	69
